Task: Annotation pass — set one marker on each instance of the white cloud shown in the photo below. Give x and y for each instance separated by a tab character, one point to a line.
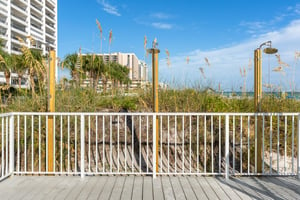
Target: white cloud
160	25
160	15
107	7
226	62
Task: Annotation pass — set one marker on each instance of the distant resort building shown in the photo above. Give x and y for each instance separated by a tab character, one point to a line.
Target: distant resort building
138	70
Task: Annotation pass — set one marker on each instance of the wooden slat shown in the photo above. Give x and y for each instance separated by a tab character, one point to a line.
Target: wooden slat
157	188
249	188
210	193
167	188
137	192
49	184
147	188
217	189
197	188
88	187
118	187
26	190
232	189
127	188
106	192
63	187
97	189
188	191
75	191
281	189
177	188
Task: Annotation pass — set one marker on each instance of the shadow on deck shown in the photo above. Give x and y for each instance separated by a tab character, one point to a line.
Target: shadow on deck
145	187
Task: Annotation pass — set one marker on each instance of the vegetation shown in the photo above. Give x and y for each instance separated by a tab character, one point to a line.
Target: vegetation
188	100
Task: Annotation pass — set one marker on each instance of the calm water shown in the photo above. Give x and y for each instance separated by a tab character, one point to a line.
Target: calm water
289	95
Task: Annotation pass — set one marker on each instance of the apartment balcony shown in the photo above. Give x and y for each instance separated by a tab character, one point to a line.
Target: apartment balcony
15	40
52	28
19	30
3	24
3	6
20	3
50	31
36	36
36	31
19	9
36	9
19	20
51	11
3	3
51	2
39	2
52	20
3	12
3	37
36	19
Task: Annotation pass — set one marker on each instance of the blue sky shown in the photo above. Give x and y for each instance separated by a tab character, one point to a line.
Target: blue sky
224	32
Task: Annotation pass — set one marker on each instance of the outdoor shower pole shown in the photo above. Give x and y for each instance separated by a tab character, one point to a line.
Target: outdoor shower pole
257	107
257	100
154	51
51	98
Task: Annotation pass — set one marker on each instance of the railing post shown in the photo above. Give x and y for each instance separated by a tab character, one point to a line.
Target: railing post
82	145
11	145
298	146
154	145
227	147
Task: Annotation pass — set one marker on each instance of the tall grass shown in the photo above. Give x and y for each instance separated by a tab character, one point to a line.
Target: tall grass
180	100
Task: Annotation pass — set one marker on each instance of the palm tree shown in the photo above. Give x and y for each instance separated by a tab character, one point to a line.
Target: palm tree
98	71
6	60
95	67
33	62
71	62
119	74
18	66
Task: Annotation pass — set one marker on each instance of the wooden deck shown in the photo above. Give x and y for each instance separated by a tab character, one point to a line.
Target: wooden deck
144	187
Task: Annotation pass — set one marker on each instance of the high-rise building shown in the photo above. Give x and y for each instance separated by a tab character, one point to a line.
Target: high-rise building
28	18
138	70
129	60
34	21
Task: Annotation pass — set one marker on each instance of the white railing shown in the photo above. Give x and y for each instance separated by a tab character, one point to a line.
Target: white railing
6	145
124	143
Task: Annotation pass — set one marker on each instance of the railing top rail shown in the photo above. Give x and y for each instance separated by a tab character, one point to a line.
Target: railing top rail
149	114
5	114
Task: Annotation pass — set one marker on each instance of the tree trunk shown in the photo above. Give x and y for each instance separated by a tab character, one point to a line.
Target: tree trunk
32	84
20	81
97	77
7	77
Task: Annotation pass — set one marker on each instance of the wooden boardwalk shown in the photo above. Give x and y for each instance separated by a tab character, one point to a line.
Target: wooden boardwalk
144	187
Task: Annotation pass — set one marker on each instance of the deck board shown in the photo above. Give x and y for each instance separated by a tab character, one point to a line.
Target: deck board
157	189
137	192
106	192
210	193
98	187
167	188
145	187
197	188
127	188
118	187
177	188
188	191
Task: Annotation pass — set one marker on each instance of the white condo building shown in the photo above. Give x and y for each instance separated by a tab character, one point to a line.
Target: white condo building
24	18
